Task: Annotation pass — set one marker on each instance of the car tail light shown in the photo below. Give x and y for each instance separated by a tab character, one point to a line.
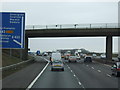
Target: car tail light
118	69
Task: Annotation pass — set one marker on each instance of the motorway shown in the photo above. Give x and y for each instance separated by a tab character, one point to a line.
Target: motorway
78	75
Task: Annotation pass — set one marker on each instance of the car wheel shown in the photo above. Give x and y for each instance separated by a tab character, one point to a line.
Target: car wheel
51	69
62	69
113	73
69	61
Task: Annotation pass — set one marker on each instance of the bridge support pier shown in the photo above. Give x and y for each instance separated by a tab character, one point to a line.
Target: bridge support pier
109	47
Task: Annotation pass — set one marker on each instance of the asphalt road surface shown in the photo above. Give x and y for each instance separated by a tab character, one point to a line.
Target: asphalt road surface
78	75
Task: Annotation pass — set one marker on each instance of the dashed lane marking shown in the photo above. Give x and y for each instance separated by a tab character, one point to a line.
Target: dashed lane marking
77	78
99	71
74	75
79	83
87	65
108	75
92	67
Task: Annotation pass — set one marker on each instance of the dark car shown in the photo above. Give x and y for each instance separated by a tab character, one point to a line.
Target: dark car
88	59
116	69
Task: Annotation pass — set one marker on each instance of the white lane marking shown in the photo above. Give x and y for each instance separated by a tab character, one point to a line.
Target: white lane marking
74	75
107	65
33	82
102	64
80	83
98	70
92	67
108	75
45	59
77	79
87	65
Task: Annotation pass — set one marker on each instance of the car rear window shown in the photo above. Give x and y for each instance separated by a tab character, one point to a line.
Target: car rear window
88	57
57	62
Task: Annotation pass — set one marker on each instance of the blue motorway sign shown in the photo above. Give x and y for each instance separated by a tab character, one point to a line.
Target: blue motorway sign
12	30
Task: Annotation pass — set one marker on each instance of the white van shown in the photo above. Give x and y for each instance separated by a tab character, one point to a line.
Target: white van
56	56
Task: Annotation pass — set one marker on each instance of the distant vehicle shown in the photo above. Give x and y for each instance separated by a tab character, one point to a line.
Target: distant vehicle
94	55
116	69
72	59
45	54
102	56
57	65
78	57
56	56
88	59
38	53
67	54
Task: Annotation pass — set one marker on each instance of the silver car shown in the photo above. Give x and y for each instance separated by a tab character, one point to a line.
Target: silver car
116	69
57	65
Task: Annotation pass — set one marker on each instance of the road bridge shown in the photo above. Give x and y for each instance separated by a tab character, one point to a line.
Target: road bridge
75	30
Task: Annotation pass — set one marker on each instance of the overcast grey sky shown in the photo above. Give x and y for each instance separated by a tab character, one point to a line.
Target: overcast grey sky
49	13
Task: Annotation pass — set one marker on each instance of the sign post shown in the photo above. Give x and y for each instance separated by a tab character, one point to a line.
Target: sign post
12	30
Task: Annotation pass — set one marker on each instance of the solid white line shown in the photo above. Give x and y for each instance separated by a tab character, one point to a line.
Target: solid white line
108	75
99	71
33	82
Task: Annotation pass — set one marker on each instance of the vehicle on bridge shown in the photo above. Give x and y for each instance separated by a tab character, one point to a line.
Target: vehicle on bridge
88	59
57	65
116	69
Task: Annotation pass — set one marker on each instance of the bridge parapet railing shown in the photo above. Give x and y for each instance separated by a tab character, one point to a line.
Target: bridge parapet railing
72	26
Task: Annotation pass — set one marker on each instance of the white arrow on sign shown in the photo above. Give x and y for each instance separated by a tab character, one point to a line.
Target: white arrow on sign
17	42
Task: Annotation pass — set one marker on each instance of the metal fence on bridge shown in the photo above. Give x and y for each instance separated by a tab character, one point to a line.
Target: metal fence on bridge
66	26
